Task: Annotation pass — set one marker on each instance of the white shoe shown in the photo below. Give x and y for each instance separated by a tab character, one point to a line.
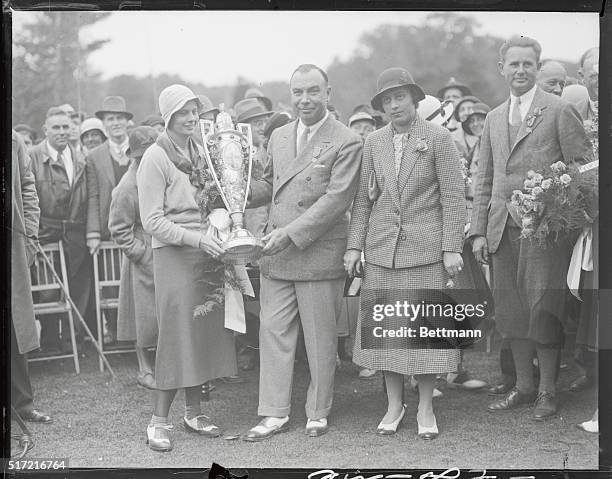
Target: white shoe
589	426
437	393
428	432
367	373
316	427
389	429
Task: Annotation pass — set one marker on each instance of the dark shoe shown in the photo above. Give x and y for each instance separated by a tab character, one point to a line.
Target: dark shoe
546	405
317	427
36	416
202	425
512	400
581	383
500	389
264	431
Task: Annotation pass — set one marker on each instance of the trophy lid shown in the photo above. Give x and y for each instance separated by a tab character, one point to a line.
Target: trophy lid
224	122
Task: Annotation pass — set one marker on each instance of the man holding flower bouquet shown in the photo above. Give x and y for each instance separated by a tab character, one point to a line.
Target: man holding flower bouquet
527	133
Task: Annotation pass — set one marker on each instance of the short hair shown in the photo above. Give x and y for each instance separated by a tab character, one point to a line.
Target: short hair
56	111
307	67
587	54
520	41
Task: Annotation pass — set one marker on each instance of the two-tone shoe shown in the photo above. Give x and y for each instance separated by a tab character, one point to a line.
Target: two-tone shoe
158	438
201	424
390	428
427	433
316	427
267	427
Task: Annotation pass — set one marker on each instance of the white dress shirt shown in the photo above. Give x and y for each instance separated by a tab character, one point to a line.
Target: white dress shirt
313	129
118	151
67	156
526	100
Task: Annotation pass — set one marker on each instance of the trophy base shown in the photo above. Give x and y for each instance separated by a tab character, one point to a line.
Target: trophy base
242	248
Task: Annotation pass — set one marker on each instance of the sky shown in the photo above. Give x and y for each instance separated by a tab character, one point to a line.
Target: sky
216	47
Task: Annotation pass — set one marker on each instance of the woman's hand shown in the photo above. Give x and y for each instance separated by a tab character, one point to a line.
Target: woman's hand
352	263
211	244
453	263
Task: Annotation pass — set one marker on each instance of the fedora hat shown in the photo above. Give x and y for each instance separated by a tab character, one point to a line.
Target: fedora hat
452	83
257	93
152	120
207	105
473	99
393	78
141	138
478	109
113	104
249	109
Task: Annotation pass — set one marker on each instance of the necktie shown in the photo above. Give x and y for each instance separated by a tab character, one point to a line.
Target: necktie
516	113
61	159
303	140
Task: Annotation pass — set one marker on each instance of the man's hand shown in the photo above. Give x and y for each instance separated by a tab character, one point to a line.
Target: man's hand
352	263
94	245
480	249
276	241
453	263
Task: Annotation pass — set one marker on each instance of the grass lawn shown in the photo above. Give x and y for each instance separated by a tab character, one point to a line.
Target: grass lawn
101	423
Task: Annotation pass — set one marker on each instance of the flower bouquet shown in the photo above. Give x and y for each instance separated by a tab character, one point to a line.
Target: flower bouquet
556	201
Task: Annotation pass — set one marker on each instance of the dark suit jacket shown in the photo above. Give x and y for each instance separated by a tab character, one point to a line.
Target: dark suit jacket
100	184
310	196
419	215
556	135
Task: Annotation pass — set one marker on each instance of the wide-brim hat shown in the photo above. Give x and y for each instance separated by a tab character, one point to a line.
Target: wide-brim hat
152	120
207	105
141	138
173	98
278	119
452	83
478	109
473	99
91	124
113	104
249	109
393	78
257	93
433	110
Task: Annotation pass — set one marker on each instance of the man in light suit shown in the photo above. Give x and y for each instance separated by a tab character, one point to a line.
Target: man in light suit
106	165
530	131
310	178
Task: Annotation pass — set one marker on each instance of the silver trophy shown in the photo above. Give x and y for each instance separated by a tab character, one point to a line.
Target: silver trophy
229	155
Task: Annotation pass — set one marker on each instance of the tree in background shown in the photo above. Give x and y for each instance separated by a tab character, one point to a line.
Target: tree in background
50	63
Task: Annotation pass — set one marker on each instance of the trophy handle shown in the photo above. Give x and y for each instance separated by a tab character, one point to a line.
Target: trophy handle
210	164
211	129
245	129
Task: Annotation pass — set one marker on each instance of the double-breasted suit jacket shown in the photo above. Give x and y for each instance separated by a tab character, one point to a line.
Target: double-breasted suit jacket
557	134
310	195
411	219
528	280
101	181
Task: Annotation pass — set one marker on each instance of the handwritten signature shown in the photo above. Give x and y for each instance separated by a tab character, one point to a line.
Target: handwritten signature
453	473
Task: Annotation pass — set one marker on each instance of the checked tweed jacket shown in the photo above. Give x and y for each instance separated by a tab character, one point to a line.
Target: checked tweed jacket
411	220
310	196
556	134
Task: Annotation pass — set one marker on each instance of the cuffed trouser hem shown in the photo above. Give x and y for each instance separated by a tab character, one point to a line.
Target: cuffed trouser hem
269	411
320	414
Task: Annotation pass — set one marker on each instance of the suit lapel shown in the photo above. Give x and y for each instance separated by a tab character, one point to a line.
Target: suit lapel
411	155
79	166
501	130
106	163
525	129
318	144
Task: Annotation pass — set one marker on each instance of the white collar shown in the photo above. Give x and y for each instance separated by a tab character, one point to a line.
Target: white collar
313	128
527	97
123	146
53	152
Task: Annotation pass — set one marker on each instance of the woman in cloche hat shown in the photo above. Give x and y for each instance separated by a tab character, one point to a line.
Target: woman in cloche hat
190	350
408	220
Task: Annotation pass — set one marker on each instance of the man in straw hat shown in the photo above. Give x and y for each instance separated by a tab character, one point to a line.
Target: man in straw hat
529	280
106	164
310	178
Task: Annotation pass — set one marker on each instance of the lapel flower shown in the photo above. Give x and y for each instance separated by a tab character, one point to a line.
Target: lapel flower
537	112
421	145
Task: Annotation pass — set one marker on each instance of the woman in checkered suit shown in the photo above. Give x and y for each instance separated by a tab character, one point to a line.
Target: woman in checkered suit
408	219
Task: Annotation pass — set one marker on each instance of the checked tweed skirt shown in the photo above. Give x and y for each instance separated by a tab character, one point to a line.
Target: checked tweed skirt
403	361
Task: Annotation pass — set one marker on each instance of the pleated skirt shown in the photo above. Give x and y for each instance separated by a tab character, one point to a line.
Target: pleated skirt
416	360
190	351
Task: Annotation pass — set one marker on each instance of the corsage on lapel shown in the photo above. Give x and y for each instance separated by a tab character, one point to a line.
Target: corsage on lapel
319	150
531	119
421	145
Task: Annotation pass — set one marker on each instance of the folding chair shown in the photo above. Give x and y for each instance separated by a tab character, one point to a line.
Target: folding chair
107	276
48	296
